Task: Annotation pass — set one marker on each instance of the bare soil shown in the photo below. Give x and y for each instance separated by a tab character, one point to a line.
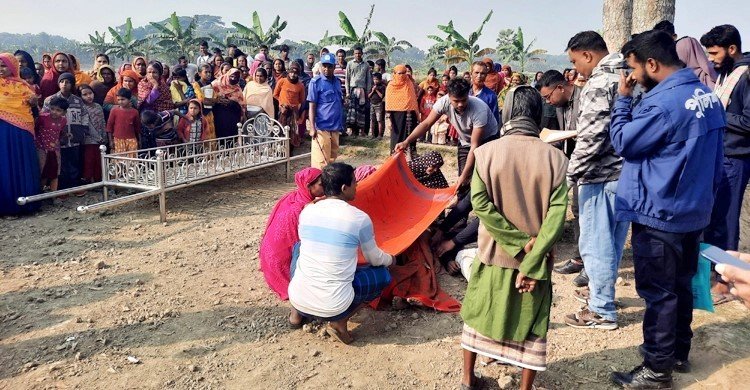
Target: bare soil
118	300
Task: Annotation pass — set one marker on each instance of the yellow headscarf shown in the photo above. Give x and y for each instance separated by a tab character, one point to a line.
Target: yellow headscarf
14	96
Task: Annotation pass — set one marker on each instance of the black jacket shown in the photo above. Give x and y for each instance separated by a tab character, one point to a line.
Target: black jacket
737	135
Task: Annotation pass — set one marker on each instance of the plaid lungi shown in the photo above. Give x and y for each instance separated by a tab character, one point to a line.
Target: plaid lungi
530	353
358	115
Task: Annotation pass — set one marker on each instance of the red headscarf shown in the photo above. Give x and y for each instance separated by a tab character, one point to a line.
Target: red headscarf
111	97
48	85
493	78
281	232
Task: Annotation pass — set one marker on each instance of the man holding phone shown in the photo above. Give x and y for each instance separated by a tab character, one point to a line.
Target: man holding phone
671	145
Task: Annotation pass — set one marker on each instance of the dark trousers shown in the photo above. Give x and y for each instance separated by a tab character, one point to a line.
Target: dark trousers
665	264
70	167
576	226
724	229
402	124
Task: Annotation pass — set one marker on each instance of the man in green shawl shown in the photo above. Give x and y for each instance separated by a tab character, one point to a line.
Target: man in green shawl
519	193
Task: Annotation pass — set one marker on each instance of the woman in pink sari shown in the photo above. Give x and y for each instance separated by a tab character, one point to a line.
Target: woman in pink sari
281	230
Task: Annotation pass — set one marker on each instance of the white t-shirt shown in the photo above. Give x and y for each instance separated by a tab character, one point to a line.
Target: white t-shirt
330	233
476	114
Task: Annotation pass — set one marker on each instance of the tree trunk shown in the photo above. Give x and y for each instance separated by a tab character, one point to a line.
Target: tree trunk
646	13
617	19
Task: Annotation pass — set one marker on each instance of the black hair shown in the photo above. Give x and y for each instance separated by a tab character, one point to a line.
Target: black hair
458	88
27	73
357	48
149	118
432	70
453	68
84	86
723	36
182	58
59	102
655	44
284	48
372	64
478	63
407	66
551	78
102	55
324	50
340	51
380	62
232	45
666	26
238	53
204	44
527	101
335	176
158	66
125	93
264	46
261	70
587	41
283	65
377	75
179	72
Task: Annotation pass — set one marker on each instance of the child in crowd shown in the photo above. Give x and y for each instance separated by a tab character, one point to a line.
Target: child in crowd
182	91
124	125
191	127
377	106
425	106
290	93
50	127
95	136
28	75
158	130
444	84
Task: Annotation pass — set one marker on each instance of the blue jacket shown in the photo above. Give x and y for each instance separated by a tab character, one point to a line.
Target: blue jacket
672	149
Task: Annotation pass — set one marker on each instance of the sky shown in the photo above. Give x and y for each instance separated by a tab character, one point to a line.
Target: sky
552	23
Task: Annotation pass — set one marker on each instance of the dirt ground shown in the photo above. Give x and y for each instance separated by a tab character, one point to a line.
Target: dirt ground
120	300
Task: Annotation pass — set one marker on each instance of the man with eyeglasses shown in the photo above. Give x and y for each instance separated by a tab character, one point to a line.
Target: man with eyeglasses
478	89
565	97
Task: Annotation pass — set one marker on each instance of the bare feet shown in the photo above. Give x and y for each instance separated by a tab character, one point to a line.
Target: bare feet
339	331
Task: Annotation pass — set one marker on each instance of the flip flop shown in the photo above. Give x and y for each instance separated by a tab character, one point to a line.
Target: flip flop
345	339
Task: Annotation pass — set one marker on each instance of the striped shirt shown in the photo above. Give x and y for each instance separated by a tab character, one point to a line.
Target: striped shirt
330	232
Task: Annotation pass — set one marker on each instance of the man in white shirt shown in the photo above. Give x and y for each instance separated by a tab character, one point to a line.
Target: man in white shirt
203	56
326	283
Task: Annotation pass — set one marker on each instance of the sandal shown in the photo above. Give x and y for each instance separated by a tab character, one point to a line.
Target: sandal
344	338
720	299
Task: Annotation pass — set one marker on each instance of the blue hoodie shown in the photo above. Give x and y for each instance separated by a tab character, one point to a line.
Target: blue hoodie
672	149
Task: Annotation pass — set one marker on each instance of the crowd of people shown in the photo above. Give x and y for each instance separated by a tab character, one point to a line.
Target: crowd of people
662	133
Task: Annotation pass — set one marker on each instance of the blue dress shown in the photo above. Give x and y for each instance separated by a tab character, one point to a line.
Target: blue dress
19	169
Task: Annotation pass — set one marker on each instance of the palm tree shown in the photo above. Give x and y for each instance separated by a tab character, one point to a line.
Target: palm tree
125	45
387	46
98	43
465	49
254	37
350	38
174	39
436	52
511	46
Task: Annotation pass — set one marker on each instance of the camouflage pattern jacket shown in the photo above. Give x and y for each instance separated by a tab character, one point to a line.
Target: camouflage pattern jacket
594	159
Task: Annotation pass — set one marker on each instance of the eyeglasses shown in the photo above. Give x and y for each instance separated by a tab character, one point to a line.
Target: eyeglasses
547	96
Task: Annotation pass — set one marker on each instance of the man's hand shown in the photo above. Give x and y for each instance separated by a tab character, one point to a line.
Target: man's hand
313	132
453	267
529	245
524	284
437	238
400	147
445	246
738	279
626	85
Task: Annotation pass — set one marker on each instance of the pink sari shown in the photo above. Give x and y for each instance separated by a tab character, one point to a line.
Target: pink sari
281	233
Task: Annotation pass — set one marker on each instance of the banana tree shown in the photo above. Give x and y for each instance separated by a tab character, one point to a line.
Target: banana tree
386	46
125	46
465	49
253	37
512	48
175	39
436	52
350	38
98	43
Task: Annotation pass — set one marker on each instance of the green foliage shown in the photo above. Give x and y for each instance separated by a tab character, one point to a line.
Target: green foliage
382	45
175	40
350	38
125	46
97	43
456	48
253	37
513	49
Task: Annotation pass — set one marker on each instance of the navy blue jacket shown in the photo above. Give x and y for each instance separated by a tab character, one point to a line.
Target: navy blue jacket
672	149
737	135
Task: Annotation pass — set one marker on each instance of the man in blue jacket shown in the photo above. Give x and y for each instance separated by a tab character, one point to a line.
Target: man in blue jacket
671	145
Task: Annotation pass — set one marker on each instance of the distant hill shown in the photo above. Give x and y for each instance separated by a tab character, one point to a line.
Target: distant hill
37	44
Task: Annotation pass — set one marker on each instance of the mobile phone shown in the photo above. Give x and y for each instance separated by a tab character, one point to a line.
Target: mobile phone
719	256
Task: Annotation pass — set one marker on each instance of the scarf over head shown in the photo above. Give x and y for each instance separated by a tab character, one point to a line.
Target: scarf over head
400	94
224	89
49	85
690	51
14	96
281	232
258	61
493	78
260	95
419	166
132	64
362	171
111	97
520	125
30	62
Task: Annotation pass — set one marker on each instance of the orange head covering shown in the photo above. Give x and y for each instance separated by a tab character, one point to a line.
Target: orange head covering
111	97
136	60
14	67
400	94
14	96
493	78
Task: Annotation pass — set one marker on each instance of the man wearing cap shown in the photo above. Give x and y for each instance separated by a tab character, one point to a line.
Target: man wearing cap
326	113
72	137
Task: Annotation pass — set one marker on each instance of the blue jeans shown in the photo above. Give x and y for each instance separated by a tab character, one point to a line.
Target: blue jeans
724	229
600	243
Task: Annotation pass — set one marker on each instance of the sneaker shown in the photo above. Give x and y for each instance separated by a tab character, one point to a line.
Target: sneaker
682	366
570	266
586	318
643	377
582	280
582	295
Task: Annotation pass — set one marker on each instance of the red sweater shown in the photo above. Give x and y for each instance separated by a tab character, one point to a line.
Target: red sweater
124	123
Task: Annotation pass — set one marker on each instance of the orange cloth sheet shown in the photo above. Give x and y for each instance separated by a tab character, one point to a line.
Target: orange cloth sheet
400	207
